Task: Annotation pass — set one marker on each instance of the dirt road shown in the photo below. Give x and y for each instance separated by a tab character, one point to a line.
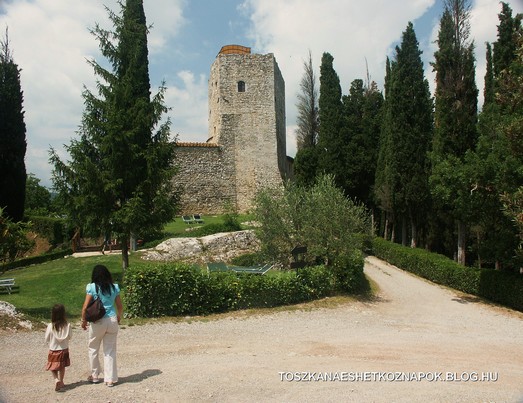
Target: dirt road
417	342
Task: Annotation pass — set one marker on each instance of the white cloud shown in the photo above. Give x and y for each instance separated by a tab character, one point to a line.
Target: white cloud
189	107
51	44
351	31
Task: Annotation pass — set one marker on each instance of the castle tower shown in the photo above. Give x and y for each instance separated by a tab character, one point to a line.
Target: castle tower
247	119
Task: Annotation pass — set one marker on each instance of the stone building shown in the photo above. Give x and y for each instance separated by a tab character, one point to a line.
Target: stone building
246	148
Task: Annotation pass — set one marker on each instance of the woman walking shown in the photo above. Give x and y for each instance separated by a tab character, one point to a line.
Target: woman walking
106	329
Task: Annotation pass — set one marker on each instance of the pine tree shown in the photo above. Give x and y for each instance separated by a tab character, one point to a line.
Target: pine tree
12	137
119	177
455	117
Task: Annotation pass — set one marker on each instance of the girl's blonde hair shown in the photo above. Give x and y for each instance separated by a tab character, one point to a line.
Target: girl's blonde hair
58	317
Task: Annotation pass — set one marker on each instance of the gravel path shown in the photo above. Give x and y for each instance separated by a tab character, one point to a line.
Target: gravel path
415	342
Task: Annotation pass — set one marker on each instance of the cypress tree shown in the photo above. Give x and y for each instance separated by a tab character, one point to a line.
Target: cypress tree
331	158
12	137
504	50
455	117
411	121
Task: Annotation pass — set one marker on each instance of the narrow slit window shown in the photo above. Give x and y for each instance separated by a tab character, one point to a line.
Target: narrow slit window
241	86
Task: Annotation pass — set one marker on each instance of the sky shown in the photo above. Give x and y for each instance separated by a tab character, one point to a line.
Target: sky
51	43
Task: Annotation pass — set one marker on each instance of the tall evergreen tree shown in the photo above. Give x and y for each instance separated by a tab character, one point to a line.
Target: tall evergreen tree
119	177
455	117
504	50
411	121
488	90
12	136
499	157
308	119
385	165
362	109
331	146
306	159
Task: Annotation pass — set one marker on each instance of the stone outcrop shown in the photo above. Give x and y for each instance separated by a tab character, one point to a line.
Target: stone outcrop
211	248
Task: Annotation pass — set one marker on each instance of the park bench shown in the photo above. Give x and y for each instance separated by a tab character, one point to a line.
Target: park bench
7	284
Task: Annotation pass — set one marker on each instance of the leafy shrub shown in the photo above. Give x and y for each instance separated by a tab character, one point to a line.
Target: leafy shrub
174	289
501	287
53	229
333	227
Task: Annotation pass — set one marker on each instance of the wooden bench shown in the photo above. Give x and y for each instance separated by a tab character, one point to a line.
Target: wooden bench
7	284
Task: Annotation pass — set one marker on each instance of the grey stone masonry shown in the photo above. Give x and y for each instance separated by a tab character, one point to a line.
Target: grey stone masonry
246	147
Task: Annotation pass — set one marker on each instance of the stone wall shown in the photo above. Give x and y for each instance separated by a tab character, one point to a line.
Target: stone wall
205	174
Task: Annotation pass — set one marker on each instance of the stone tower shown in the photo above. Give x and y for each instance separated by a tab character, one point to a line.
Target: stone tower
247	119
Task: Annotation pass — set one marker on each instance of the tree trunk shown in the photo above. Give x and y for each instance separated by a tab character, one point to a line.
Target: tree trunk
404	231
462	242
125	254
414	229
386	228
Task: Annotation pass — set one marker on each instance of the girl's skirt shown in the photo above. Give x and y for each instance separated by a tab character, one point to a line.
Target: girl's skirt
57	359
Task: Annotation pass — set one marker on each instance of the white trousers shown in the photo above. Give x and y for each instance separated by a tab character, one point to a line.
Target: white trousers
104	330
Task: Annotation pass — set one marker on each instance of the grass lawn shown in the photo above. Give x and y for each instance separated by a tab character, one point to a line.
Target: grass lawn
179	228
59	281
63	281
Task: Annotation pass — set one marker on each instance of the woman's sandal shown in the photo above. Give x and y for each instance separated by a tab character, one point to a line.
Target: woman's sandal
91	379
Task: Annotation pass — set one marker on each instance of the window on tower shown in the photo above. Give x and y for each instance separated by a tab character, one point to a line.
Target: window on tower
241	86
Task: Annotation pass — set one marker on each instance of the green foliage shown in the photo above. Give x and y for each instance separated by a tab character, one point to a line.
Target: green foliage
37	197
305	166
12	136
13	239
331	145
331	226
308	119
119	178
175	289
498	286
51	228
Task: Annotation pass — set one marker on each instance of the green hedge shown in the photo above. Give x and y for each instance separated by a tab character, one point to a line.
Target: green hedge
175	289
498	286
38	259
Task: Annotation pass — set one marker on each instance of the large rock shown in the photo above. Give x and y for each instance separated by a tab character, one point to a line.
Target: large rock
211	248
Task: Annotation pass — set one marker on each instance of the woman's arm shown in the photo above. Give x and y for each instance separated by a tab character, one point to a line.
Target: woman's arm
119	307
88	299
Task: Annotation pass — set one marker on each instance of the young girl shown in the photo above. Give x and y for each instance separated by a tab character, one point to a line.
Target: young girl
57	335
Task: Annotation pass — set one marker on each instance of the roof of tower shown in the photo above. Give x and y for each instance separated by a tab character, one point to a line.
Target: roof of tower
234	50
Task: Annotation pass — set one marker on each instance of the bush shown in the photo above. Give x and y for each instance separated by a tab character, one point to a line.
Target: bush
334	228
53	229
176	289
501	287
